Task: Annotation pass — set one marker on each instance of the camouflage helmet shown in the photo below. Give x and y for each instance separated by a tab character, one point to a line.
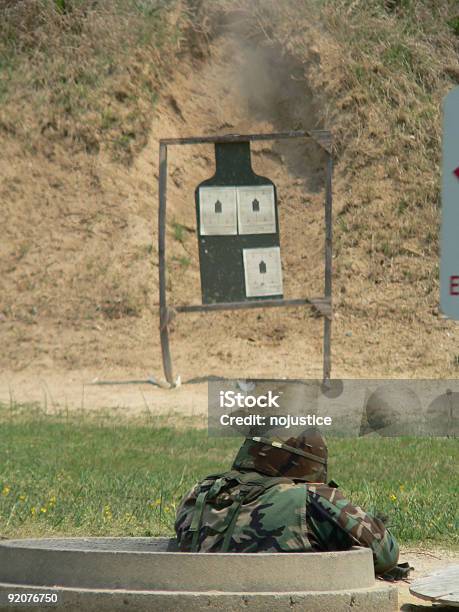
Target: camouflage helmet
302	457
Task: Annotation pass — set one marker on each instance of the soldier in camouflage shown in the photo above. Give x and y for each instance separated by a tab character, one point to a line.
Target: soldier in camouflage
275	500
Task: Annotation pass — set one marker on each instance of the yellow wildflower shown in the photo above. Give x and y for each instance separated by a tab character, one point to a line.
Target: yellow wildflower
107	513
393	497
43	509
6	490
22	498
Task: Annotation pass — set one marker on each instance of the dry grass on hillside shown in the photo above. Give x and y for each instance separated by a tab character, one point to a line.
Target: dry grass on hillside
86	75
379	71
87	87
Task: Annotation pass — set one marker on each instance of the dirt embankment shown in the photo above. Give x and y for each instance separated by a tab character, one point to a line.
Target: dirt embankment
79	254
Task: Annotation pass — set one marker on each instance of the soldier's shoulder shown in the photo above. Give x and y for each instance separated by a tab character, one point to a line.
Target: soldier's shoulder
326	493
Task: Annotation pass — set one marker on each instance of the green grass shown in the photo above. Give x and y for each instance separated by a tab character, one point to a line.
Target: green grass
179	231
81	474
184	262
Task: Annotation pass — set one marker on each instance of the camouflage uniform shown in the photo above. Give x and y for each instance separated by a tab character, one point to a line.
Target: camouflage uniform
268	503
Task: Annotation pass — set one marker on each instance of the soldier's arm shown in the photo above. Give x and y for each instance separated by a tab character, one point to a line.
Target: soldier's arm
183	519
328	505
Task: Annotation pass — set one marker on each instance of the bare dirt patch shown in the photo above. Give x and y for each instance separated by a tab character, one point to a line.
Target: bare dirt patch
424	561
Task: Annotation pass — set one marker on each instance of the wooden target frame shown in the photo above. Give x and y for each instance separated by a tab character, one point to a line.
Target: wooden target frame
322	304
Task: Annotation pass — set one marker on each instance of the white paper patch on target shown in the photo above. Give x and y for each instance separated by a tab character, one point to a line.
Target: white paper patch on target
262	272
218	211
256	210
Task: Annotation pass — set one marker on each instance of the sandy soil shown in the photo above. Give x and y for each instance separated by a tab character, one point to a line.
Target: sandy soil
424	562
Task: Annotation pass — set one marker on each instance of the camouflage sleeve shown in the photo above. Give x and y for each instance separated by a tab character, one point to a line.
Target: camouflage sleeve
338	524
183	519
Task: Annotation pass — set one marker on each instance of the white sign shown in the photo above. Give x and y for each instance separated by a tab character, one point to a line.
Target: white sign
218	211
262	272
256	210
449	268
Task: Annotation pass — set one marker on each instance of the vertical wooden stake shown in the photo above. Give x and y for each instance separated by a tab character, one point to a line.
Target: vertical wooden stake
163	314
328	265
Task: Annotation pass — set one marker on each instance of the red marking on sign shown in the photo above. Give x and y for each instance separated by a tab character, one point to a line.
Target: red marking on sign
454	285
456	172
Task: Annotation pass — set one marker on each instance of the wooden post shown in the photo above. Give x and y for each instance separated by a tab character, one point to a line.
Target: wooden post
163	312
328	266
